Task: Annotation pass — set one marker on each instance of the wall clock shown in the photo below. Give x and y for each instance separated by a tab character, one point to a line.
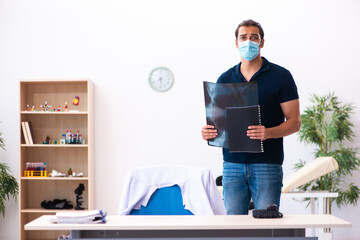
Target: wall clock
161	79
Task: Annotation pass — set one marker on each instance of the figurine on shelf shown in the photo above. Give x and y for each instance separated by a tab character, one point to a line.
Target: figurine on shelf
28	109
76	101
78	191
59	109
66	107
47	140
45	107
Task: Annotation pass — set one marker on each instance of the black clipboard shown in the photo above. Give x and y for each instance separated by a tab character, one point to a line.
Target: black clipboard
238	121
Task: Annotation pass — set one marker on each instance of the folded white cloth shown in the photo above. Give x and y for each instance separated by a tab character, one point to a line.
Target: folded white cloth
80	217
312	170
55	173
199	192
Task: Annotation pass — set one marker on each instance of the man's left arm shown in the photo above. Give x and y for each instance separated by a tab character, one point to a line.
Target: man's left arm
292	124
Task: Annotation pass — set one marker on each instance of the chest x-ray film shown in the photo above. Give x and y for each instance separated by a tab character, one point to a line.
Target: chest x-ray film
219	96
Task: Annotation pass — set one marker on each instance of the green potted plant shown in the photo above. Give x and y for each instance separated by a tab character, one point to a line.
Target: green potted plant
326	124
9	187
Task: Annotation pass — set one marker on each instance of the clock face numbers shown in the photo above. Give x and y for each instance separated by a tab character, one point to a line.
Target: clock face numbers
161	79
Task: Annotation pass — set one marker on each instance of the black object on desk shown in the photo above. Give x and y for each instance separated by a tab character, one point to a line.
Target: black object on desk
270	212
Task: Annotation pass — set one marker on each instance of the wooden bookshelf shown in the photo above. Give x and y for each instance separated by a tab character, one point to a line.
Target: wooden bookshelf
60	157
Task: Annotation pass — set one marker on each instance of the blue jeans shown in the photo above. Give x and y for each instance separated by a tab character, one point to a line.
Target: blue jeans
260	181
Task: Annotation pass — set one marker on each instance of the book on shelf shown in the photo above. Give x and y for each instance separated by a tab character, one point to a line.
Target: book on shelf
24	133
26	128
238	121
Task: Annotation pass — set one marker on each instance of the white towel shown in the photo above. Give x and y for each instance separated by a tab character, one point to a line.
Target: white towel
198	188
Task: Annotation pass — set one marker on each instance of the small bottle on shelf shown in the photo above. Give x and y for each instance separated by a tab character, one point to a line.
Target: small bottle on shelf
70	173
66	136
77	137
63	139
72	139
70	136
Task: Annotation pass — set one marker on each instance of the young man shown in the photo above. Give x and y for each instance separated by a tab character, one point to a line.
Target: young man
258	175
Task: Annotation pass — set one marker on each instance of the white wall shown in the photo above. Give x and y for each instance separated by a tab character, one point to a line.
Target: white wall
117	44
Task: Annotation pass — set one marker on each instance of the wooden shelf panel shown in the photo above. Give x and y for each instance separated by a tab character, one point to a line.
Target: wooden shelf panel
35	192
45	211
56	145
54	178
54	125
55	113
56	93
54	81
57	158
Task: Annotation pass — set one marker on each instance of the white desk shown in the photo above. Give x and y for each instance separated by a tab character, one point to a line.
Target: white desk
216	227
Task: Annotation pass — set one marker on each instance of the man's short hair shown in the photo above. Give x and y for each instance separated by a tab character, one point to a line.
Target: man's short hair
250	23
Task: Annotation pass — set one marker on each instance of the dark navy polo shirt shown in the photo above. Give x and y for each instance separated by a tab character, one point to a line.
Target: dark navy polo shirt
275	85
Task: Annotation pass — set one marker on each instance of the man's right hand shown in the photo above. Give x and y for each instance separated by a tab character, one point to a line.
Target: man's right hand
208	132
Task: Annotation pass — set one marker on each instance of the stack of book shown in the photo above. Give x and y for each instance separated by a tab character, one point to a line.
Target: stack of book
81	217
26	129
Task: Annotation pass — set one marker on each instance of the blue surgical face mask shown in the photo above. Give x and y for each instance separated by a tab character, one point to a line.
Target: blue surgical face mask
248	50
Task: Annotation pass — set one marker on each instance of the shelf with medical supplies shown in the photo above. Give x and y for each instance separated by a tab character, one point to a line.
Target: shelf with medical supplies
55	145
56	149
53	113
40	210
54	129
55	178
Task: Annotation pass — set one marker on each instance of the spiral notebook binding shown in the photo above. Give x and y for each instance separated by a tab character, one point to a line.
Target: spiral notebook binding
261	141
